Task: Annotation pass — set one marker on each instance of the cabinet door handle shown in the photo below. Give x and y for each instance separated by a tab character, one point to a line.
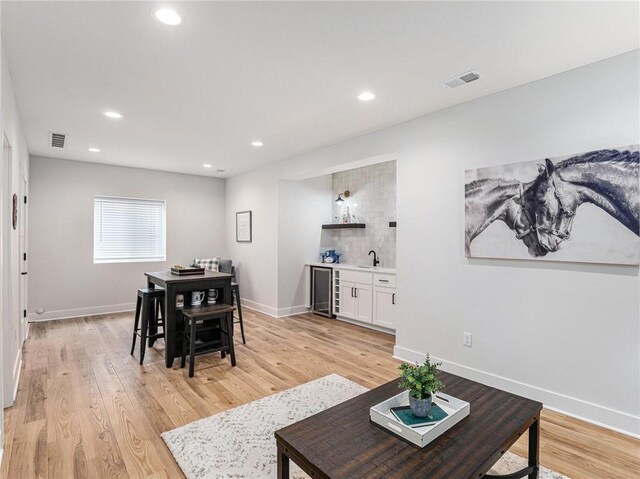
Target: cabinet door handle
383	280
393	298
356	290
352	292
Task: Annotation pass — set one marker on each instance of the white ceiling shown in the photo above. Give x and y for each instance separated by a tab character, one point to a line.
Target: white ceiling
284	73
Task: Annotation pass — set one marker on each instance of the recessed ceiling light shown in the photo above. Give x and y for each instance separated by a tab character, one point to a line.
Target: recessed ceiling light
366	96
168	16
113	114
94	150
257	143
207	165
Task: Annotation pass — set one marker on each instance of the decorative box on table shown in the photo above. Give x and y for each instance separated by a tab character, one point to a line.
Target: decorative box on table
185	271
455	408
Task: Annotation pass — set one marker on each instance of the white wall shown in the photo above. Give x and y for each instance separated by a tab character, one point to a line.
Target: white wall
256	262
63	278
303	207
563	333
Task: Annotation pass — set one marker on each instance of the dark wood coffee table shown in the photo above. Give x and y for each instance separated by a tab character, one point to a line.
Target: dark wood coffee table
341	442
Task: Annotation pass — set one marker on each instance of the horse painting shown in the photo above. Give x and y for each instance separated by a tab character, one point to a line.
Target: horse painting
543	209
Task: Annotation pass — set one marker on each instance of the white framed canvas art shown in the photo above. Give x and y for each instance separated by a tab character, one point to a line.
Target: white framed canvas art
578	208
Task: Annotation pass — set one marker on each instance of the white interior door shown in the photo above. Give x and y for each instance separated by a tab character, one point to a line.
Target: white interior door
23	259
3	227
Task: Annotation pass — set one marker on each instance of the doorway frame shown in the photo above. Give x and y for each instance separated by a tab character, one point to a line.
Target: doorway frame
11	358
23	245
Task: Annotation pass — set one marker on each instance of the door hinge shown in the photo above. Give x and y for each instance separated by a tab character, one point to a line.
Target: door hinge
24	313
25	199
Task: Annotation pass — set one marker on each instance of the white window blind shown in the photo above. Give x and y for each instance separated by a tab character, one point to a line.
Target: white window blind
128	230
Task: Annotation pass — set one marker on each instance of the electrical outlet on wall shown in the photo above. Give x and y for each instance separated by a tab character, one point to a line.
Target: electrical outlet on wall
466	339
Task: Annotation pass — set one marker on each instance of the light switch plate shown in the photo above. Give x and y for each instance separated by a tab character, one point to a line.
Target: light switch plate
466	339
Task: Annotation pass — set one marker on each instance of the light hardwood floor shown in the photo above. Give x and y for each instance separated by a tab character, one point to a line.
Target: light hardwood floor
85	408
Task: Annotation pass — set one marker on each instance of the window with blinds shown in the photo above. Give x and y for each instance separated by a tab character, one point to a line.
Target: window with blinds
128	230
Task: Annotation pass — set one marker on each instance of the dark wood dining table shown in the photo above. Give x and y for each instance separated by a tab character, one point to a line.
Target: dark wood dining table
174	285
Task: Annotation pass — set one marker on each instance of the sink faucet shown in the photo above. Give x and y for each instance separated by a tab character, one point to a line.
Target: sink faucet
376	261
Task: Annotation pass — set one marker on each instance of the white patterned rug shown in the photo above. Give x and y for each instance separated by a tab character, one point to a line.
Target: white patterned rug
239	443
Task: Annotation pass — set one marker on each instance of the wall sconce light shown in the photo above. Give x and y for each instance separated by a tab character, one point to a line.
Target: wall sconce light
342	196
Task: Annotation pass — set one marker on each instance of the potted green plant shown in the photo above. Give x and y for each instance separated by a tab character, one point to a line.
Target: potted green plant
422	381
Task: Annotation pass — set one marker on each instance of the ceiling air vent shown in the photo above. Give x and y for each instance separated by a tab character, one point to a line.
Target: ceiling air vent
57	140
219	170
461	79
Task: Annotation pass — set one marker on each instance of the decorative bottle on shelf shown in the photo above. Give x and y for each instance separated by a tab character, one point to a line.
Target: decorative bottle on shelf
347	217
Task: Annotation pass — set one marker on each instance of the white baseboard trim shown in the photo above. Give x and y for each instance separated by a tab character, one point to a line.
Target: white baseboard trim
273	312
74	313
261	308
17	372
367	325
599	415
292	311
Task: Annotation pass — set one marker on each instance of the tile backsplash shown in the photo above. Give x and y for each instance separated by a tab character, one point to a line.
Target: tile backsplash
373	202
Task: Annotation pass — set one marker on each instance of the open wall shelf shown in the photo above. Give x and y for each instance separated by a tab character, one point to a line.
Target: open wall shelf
341	226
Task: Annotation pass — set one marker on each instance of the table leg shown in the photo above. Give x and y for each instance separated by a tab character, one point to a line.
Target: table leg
534	448
170	326
283	465
532	469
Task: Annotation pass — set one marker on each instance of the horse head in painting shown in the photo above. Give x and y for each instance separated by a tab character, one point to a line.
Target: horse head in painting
606	178
488	200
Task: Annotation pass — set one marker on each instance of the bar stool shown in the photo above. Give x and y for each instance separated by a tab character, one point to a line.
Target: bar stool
150	303
198	320
227	266
235	289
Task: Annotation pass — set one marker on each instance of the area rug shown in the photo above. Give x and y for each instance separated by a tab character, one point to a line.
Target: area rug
239	443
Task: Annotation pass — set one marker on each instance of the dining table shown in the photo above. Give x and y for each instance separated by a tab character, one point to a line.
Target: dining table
185	284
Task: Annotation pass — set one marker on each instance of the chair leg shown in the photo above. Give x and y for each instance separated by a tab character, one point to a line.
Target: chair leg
136	323
236	294
192	347
224	337
153	322
184	347
161	313
232	351
144	331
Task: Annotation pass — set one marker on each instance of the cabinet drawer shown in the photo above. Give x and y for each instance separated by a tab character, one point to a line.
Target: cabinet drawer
356	276
381	279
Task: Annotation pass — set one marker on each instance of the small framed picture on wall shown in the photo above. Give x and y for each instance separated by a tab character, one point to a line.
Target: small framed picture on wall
243	227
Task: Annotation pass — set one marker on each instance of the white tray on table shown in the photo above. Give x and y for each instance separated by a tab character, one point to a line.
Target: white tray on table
455	408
